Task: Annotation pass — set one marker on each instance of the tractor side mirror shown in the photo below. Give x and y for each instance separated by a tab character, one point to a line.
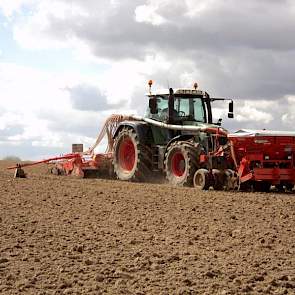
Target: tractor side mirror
231	110
153	105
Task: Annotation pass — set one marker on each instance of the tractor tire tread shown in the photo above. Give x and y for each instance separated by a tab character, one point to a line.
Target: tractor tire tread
191	152
144	163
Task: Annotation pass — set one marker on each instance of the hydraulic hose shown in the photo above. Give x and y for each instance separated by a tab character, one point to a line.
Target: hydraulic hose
213	130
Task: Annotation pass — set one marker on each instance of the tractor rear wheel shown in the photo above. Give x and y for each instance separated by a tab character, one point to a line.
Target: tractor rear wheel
181	162
132	160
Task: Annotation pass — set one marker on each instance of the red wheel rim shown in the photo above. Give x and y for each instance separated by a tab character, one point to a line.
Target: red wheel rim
127	154
178	164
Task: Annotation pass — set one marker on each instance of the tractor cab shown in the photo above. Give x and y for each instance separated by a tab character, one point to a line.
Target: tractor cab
182	106
186	106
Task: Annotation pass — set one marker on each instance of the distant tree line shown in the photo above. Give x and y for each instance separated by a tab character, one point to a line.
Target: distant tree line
12	158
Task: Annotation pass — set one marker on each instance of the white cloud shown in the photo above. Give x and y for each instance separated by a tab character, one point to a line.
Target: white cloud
148	14
27	92
195	8
26	89
122	79
288	116
8	118
254	111
33	31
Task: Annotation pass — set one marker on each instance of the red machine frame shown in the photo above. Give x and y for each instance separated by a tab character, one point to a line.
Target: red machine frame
76	164
264	157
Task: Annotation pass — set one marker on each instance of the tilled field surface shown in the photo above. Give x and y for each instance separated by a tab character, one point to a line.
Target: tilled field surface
61	235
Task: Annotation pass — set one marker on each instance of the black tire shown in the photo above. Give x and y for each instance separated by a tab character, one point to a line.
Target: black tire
181	162
231	180
280	188
19	173
262	186
201	179
132	160
289	187
219	180
54	171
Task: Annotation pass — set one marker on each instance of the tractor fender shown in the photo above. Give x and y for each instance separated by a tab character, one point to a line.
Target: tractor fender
141	129
182	137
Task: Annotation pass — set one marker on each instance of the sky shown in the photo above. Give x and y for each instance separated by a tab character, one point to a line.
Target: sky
66	65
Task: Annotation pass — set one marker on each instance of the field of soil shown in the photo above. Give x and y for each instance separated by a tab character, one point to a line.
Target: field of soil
61	235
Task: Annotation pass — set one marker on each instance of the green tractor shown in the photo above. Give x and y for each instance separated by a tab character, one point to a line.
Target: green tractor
176	138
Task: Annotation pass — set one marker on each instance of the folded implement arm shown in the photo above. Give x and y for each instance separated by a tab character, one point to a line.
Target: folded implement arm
80	164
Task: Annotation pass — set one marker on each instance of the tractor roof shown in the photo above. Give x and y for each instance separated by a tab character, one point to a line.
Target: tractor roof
183	91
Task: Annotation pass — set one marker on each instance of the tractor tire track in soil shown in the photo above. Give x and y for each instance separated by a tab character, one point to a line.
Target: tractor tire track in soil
61	235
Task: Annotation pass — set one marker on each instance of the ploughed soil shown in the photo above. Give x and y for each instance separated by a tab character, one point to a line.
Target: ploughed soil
62	235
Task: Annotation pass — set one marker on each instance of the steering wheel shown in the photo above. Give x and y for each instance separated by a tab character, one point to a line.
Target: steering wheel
165	112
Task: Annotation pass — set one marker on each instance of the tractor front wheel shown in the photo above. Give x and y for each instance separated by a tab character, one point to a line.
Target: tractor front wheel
181	161
132	160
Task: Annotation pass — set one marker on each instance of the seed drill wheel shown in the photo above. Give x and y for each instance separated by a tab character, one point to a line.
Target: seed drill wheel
181	160
56	170
287	187
219	180
262	186
202	179
132	160
19	172
231	180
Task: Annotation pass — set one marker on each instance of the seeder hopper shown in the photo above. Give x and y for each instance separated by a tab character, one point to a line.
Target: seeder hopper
264	158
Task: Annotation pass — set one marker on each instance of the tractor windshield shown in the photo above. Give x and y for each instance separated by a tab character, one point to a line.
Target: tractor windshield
189	109
185	109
